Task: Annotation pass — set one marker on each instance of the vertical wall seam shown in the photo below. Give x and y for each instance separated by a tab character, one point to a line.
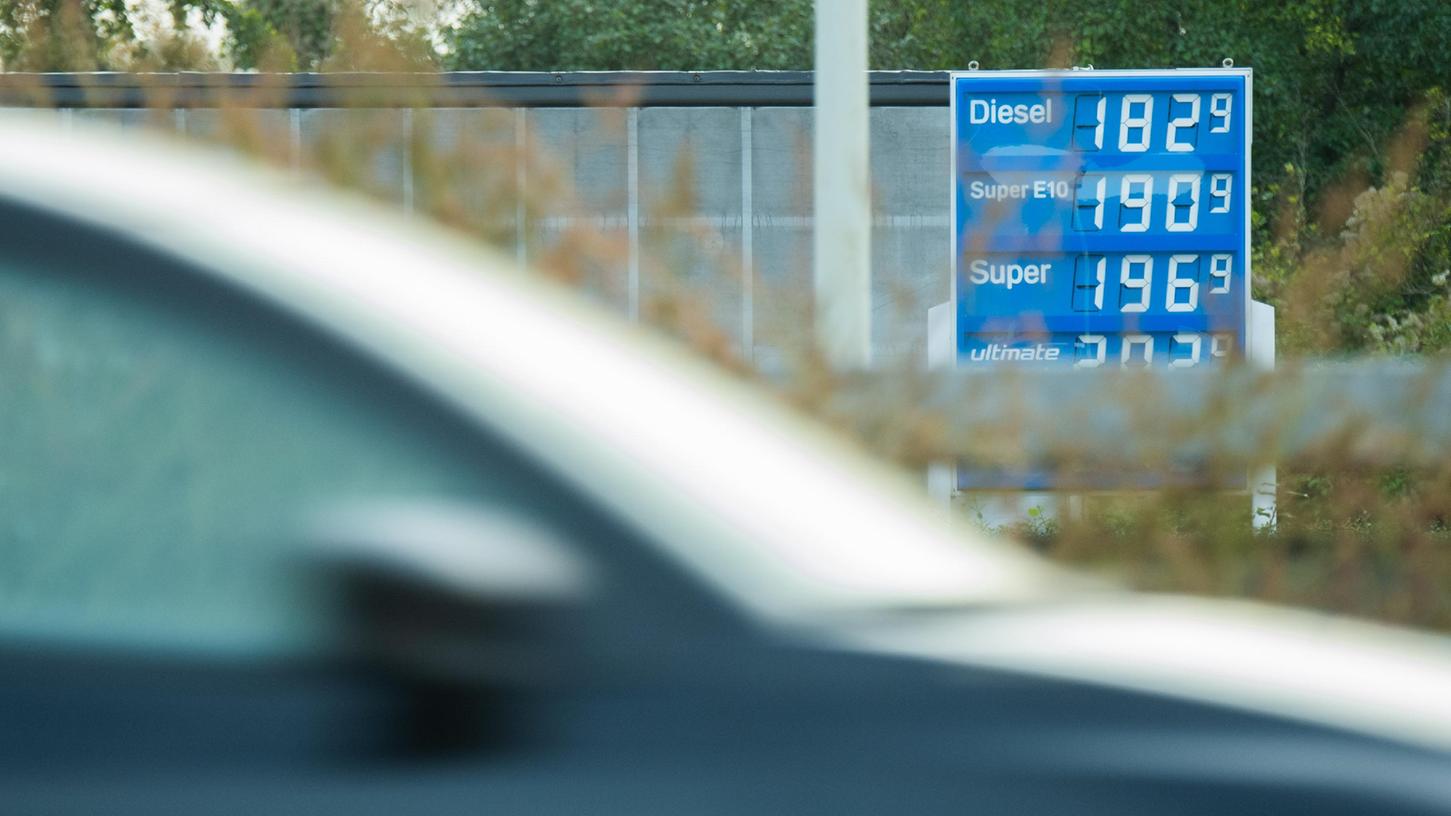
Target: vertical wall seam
748	270
407	161
294	138
632	150
521	228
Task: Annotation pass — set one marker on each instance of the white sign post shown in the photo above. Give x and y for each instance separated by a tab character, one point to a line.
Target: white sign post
1263	480
843	246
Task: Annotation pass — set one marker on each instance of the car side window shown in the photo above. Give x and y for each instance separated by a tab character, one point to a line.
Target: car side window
162	439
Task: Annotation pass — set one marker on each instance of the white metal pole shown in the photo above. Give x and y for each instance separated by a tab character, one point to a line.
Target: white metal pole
1264	480
748	239
842	240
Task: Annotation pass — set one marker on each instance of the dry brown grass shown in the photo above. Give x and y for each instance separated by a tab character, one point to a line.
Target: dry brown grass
1354	534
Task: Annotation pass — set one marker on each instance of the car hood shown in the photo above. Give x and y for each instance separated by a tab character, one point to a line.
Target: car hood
1376	680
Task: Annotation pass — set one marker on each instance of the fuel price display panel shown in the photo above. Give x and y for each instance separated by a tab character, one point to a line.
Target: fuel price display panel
1101	218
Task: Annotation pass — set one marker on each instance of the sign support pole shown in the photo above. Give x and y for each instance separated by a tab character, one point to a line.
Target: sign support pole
1263	480
842	204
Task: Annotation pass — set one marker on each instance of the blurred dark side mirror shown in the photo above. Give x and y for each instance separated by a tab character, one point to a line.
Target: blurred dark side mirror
462	612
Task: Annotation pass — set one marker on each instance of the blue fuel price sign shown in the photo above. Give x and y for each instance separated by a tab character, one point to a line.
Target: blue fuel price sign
1101	218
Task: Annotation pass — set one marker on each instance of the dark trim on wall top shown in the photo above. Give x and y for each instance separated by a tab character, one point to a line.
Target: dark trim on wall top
454	89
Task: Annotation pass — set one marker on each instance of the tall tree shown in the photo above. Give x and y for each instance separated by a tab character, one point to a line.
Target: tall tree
523	35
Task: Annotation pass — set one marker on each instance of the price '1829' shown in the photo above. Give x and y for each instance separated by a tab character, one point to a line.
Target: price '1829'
1184	115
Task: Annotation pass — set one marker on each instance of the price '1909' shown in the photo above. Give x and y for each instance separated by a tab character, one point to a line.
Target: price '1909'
1134	194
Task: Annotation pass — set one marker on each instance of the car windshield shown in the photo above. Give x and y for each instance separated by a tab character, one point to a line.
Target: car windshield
772	509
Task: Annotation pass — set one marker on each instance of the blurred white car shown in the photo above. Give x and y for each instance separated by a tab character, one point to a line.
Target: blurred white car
304	508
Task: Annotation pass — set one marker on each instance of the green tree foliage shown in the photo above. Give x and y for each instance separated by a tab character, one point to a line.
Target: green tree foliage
684	35
540	35
326	35
1351	153
280	35
97	35
1352	156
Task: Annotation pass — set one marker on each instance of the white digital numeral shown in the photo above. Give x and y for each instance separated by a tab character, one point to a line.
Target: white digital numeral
1180	282
1219	267
1088	275
1220	345
1219	187
1100	351
1189	123
1219	106
1132	341
1191	340
1134	195
1134	278
1088	122
1128	123
1088	203
1182	214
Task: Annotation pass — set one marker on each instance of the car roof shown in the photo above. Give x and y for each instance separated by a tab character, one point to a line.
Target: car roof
782	517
